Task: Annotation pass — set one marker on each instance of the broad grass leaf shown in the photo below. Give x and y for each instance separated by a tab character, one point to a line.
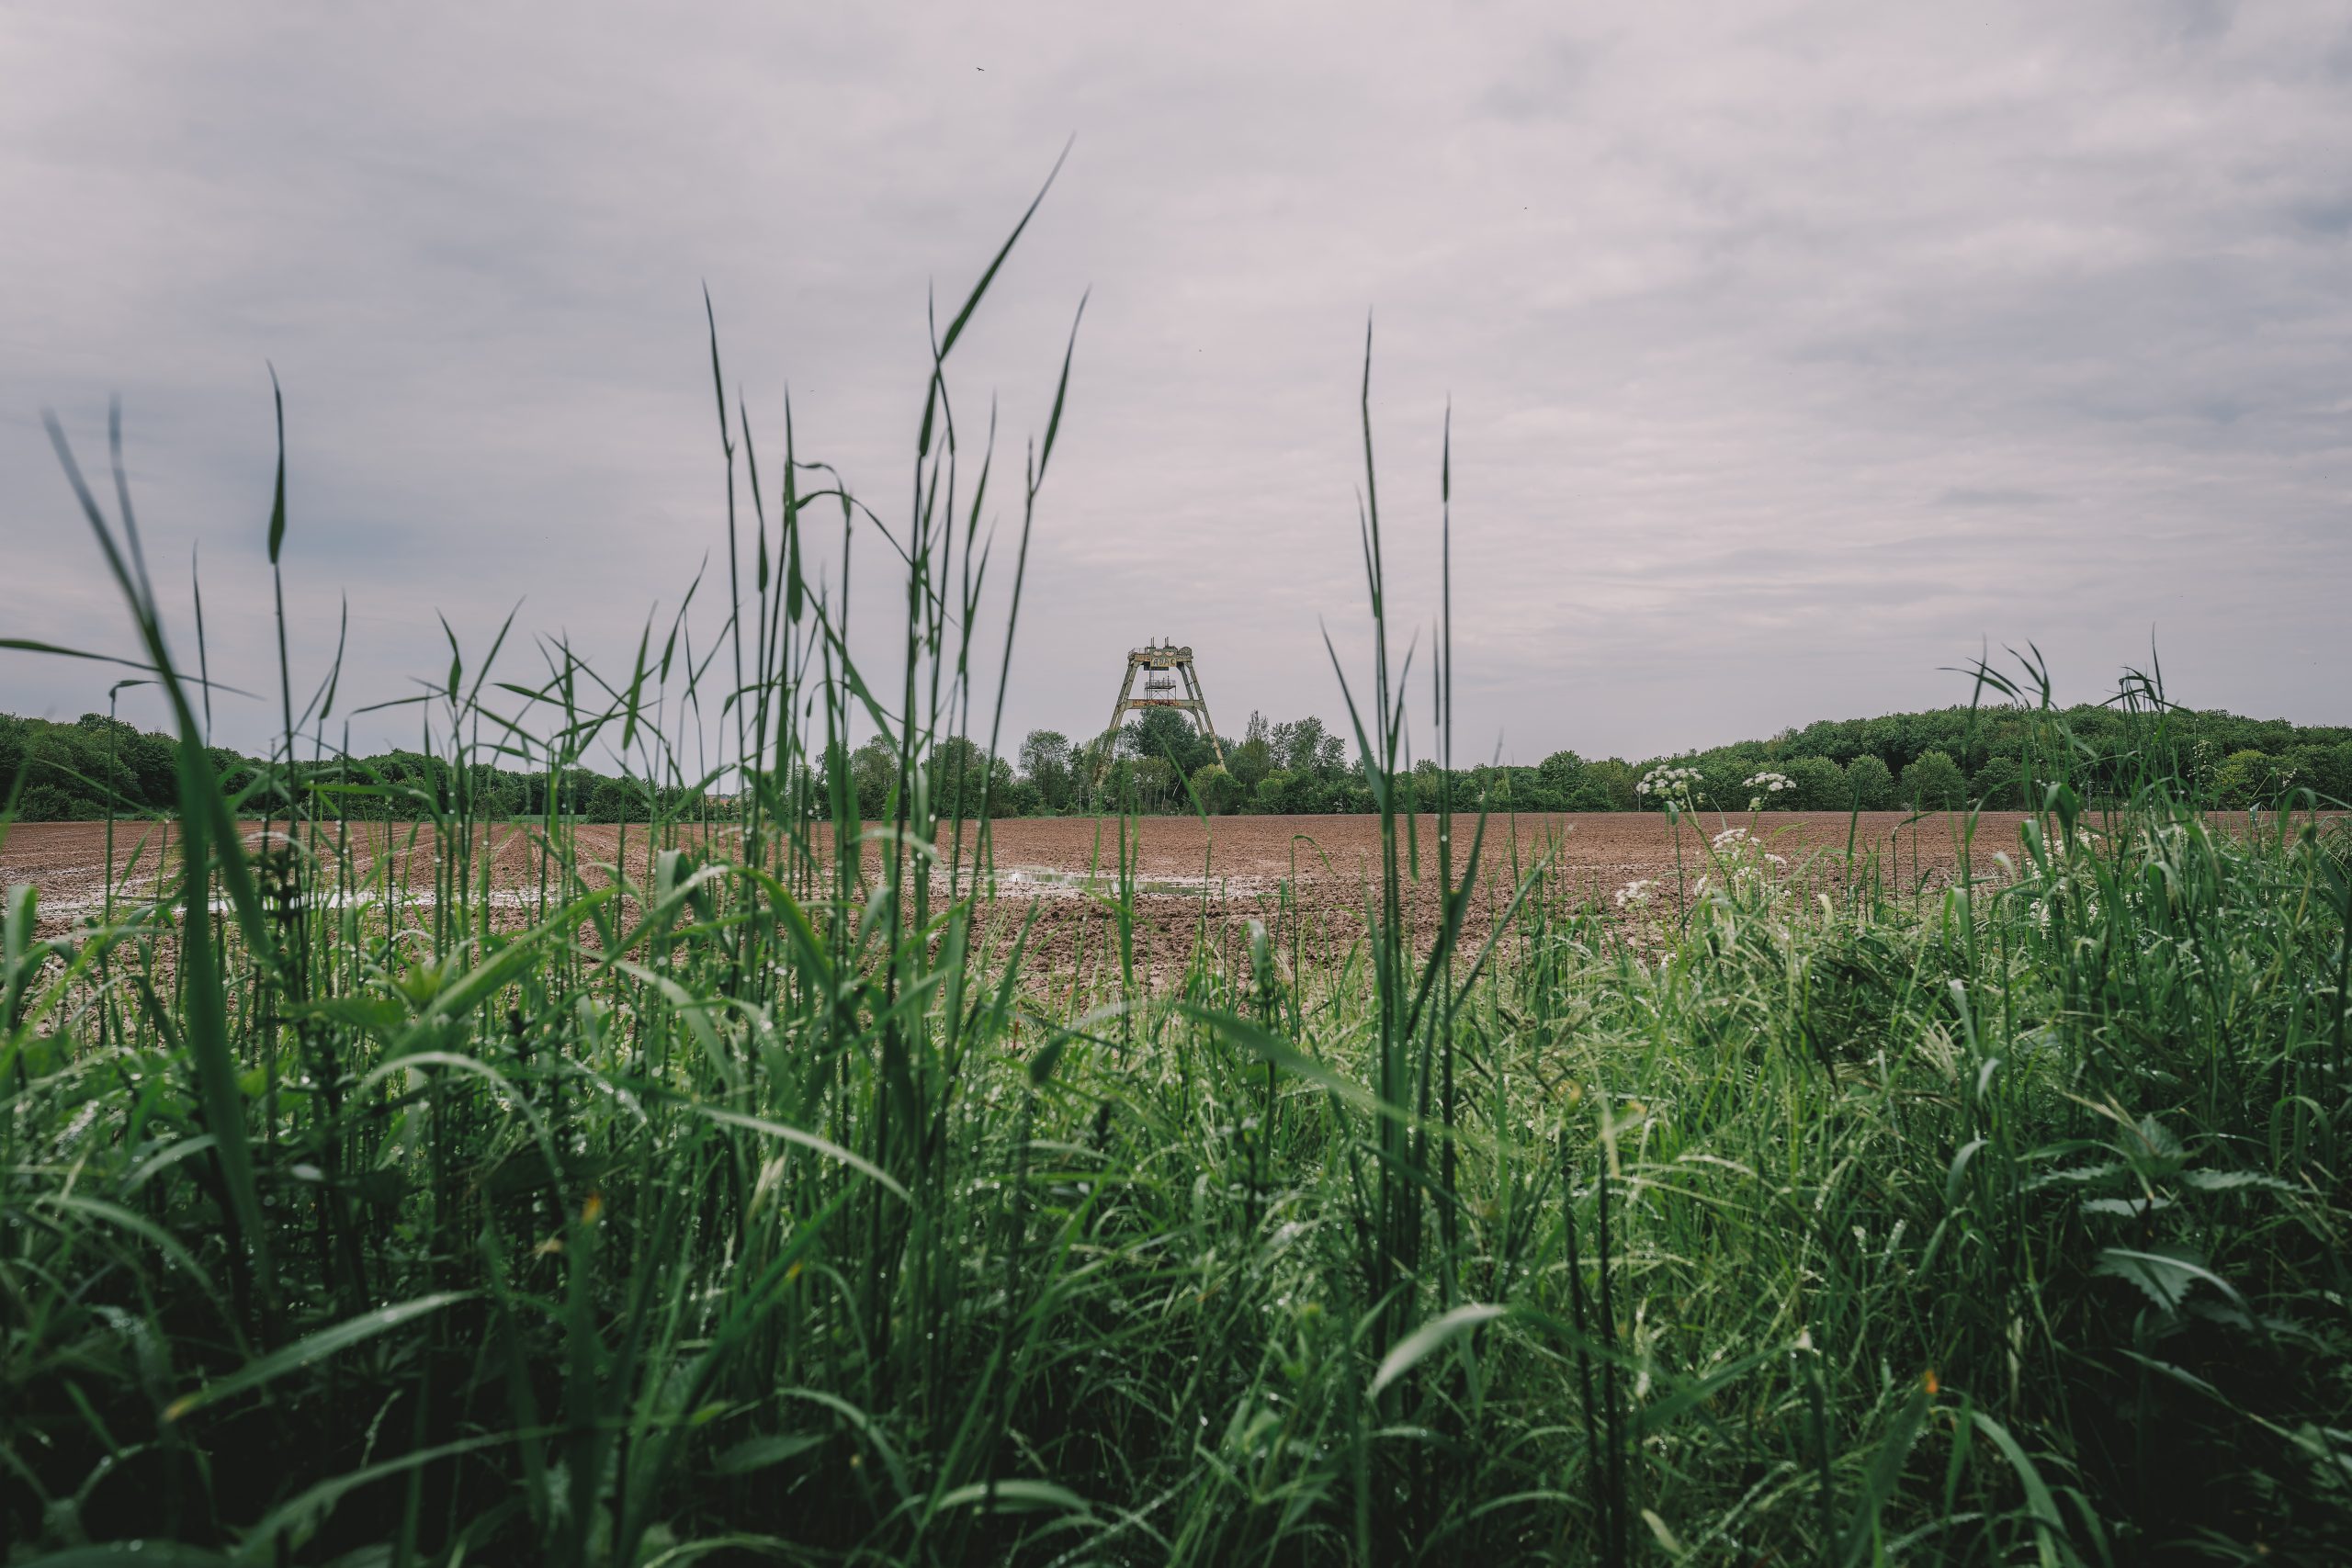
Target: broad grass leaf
170	1157
303	1513
806	1140
695	1012
1652	1418
2049	1539
1958	1171
1885	1475
316	1348
1416	1347
117	1553
1665	1537
758	1453
1012	1498
278	492
166	1245
1267	1046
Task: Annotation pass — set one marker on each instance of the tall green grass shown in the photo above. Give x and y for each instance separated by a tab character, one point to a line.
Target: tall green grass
762	1198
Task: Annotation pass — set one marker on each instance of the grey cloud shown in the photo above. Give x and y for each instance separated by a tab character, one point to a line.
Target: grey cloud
1792	351
1992	496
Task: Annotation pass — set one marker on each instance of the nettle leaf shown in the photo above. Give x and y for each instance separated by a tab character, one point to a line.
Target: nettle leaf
2083	1174
2234	1181
2127	1208
2275	1326
2154	1148
2164	1274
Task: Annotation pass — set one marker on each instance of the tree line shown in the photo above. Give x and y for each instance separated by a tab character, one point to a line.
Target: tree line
55	771
1936	759
1939	758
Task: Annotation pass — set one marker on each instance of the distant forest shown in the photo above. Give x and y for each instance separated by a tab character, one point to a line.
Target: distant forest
1940	759
61	772
1943	758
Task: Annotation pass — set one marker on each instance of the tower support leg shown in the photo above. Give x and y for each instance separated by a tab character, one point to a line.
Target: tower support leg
1111	736
1200	710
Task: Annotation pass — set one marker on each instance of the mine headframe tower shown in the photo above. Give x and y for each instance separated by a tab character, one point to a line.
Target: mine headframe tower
1169	682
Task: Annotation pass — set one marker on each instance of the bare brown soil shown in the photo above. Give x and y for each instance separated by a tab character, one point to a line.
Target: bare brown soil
1308	878
1317	876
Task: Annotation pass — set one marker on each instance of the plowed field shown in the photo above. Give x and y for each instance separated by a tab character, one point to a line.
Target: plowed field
1307	875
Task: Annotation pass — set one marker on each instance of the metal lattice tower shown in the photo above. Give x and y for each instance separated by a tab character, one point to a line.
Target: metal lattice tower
1169	682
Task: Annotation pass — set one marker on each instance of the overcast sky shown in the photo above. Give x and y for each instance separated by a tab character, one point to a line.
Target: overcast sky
1794	352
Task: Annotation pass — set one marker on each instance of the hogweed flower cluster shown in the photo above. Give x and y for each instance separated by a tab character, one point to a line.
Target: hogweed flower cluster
1744	869
1636	894
1771	784
1673	787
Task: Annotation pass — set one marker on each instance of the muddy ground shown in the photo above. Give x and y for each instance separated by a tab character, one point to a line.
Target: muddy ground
1306	876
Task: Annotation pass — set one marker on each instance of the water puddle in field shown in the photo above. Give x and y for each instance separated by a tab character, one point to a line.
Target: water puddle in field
425	898
1046	881
1013	881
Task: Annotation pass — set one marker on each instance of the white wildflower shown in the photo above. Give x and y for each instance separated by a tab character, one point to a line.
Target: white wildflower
1673	786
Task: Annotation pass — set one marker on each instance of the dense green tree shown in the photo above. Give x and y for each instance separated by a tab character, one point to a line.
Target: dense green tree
966	781
1934	783
1726	774
1153	779
2325	770
1563	770
1114	789
1090	764
1167	736
1046	763
2000	785
1288	795
617	800
1251	760
874	772
1613	780
1217	791
1821	785
1305	746
1869	783
80	770
1569	782
2247	778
